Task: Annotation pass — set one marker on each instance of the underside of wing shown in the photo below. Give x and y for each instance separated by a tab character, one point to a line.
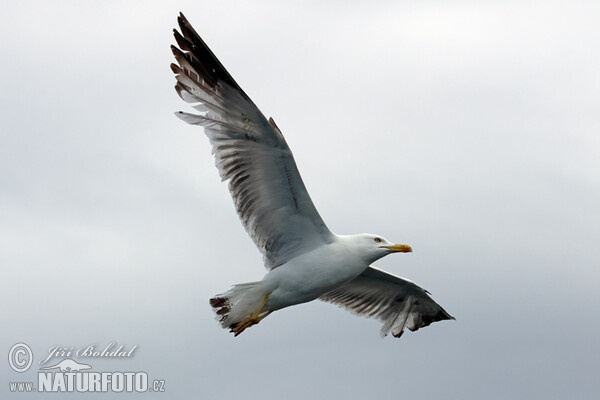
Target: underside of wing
397	302
250	152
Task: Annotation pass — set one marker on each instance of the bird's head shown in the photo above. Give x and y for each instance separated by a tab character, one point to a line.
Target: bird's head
374	246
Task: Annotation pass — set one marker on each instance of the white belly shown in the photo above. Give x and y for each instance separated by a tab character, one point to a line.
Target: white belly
309	276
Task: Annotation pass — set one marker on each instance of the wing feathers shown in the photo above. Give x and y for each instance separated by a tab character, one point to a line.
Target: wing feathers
208	66
249	151
397	302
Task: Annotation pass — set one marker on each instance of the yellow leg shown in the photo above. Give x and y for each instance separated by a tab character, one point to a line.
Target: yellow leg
253	319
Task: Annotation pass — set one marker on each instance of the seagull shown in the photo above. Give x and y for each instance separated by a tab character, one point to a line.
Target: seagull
304	259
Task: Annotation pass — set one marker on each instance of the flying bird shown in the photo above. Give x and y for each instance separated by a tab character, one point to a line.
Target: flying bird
304	259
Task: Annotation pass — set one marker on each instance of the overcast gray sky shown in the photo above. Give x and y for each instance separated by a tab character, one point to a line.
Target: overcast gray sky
468	129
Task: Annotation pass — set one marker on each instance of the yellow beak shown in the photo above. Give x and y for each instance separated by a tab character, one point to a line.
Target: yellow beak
399	248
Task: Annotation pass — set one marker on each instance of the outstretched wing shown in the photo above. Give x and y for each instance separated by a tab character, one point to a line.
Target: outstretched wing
397	302
250	152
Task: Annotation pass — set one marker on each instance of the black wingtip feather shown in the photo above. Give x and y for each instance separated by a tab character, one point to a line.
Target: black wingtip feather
209	65
182	42
175	68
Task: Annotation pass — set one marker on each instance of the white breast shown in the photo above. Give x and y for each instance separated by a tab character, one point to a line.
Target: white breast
310	275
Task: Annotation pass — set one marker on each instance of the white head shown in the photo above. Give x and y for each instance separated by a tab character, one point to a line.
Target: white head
373	247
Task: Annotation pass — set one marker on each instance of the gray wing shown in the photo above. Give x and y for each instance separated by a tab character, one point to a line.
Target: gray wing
397	302
250	152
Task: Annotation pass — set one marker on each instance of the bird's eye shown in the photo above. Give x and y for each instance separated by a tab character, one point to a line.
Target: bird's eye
377	240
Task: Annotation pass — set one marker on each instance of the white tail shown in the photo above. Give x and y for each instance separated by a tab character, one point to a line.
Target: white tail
237	303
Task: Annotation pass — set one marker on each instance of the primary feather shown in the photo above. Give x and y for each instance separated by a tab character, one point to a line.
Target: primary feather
397	302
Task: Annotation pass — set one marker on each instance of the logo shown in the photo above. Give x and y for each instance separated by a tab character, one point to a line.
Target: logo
69	365
69	375
20	357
